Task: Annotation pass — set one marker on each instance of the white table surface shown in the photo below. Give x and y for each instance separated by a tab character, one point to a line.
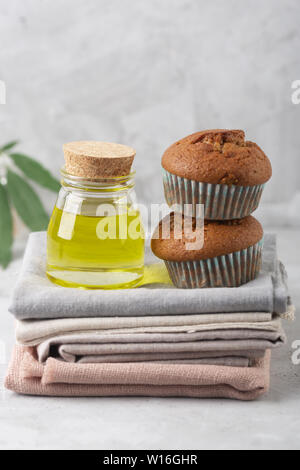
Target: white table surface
273	422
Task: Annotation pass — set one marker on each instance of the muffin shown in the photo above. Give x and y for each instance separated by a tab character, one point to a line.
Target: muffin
229	256
219	169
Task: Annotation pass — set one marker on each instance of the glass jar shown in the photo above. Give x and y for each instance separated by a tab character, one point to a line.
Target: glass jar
95	235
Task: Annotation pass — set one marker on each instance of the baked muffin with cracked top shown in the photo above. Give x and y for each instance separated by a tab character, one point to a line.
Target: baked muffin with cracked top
217	168
220	254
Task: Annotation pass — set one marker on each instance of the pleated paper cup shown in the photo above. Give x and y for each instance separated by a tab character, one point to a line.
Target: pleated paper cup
232	270
221	201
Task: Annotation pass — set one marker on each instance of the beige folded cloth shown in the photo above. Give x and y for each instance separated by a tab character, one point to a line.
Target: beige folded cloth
33	332
57	378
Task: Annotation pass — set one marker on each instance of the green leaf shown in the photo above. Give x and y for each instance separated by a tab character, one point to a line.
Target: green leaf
26	202
35	171
9	146
6	238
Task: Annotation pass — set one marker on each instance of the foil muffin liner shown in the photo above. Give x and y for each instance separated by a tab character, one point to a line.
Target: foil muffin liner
232	270
221	201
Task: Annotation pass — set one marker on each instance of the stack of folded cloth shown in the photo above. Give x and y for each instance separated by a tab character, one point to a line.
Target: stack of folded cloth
156	340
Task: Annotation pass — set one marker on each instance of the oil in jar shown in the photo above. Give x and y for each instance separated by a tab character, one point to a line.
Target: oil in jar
95	252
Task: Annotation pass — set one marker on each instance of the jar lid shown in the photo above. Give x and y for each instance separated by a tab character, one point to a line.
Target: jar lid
90	159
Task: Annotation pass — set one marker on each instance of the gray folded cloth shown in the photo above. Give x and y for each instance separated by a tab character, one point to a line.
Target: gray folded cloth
35	297
71	352
68	353
229	361
73	347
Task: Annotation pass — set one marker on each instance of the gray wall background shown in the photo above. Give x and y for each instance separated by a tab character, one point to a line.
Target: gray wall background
146	73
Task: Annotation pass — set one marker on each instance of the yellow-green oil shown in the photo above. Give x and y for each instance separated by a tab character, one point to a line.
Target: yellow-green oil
94	252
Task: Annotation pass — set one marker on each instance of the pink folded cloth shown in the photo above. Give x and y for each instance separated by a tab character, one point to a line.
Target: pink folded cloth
57	378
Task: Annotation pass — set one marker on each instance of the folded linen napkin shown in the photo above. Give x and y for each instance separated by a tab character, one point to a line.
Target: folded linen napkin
74	347
33	332
35	297
73	352
56	378
230	361
206	357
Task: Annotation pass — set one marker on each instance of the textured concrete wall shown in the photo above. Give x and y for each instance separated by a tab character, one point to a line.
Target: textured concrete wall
148	72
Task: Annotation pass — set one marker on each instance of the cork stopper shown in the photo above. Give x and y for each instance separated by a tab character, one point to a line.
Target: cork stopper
98	159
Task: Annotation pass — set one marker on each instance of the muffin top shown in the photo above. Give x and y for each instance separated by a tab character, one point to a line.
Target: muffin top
218	157
220	238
